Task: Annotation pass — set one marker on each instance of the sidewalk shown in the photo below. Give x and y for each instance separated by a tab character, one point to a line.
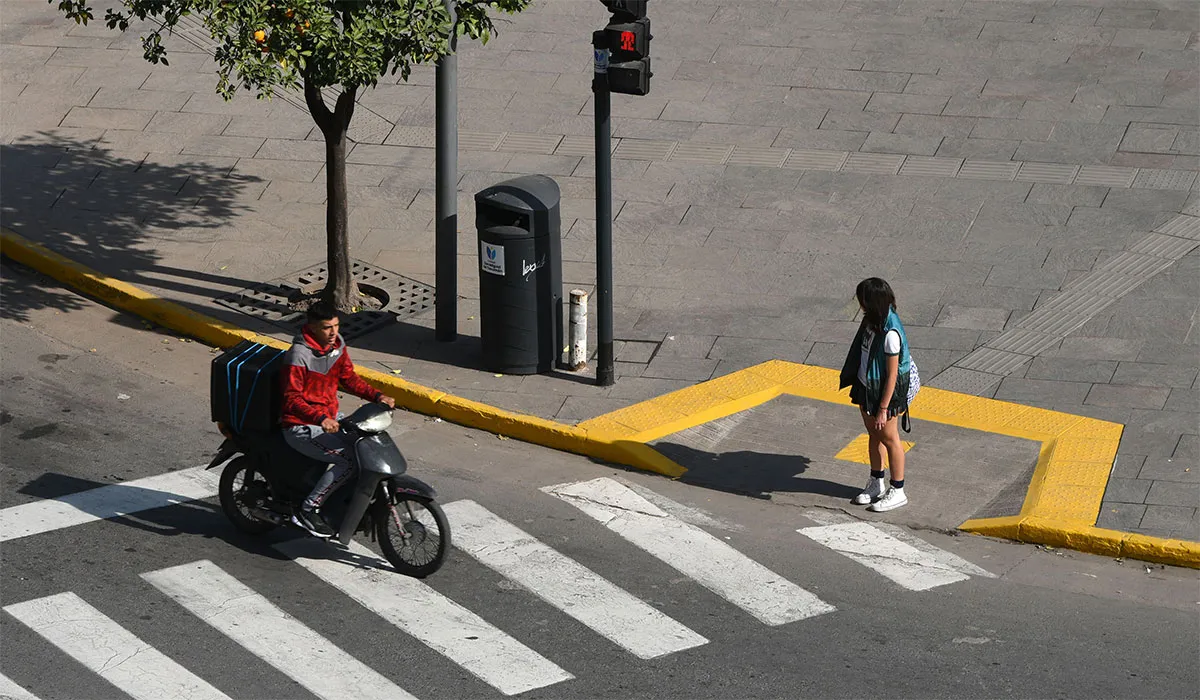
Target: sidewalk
998	162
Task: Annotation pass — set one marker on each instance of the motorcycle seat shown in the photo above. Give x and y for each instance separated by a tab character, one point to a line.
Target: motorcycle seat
270	443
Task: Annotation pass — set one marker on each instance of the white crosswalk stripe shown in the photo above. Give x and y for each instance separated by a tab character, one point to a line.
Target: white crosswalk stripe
445	626
9	690
105	502
671	532
714	564
907	561
91	638
252	621
564	583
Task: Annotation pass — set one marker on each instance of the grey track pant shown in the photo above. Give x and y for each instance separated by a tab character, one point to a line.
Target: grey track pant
313	442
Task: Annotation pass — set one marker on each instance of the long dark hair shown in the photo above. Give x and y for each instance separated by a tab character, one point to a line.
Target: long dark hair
876	298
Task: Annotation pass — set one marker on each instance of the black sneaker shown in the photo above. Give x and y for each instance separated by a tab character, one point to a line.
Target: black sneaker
312	521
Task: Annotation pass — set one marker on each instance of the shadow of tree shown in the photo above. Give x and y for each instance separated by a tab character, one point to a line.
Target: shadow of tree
756	474
104	208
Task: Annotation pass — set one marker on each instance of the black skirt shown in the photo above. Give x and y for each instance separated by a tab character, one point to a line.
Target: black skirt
858	397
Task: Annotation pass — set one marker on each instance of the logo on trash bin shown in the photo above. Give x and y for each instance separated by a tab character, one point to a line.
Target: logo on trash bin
492	258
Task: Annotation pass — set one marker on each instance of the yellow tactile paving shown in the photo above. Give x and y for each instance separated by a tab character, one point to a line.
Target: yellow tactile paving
859	450
1046	423
1063	499
992	413
1093	474
1073	449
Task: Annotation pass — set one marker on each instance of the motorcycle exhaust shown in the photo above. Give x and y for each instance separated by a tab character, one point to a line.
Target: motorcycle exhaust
268	515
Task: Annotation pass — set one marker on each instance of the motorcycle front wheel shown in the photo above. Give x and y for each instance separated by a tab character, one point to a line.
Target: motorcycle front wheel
240	487
413	534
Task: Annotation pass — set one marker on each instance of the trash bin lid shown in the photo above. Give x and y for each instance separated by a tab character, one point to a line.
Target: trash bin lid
527	193
500	234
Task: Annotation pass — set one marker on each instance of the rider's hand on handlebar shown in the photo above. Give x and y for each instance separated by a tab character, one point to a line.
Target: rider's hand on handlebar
329	425
387	401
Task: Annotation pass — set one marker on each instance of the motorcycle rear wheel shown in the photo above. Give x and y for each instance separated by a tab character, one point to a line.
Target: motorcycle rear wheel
237	479
413	534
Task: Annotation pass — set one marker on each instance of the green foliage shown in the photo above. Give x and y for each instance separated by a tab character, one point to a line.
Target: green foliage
265	45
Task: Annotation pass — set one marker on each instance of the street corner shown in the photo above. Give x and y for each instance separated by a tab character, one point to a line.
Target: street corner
784	431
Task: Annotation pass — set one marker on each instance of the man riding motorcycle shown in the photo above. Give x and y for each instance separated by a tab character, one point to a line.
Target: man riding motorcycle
317	363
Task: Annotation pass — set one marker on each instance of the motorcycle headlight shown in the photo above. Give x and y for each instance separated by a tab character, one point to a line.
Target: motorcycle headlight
376	423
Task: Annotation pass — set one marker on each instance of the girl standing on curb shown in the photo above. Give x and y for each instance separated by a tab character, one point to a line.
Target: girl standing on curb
877	370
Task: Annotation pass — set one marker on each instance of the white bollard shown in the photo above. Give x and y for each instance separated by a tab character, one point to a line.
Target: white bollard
579	324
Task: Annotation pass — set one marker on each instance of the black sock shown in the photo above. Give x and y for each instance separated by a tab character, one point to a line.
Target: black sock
897	483
877	474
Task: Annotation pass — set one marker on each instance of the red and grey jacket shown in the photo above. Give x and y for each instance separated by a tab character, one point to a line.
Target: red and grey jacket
310	378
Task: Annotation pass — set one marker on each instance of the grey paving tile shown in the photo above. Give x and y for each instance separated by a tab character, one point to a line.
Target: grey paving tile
1071	370
942	338
189	123
881	142
1126	467
1129	491
823	139
1168	517
105	118
1120	516
1168	493
908	103
1156	375
836	79
1128	396
973	318
831	355
691	369
1026	390
1160	422
844	120
961	105
1151	38
944	85
1184	400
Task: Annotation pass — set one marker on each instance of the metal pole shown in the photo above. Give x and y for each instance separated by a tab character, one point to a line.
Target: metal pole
604	269
446	188
579	324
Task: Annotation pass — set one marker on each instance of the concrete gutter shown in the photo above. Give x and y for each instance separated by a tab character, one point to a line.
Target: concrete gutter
1060	507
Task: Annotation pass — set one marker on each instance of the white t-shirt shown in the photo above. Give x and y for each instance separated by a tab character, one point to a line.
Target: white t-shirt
891	346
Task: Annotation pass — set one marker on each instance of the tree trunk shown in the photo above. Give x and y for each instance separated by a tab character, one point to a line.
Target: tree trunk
340	289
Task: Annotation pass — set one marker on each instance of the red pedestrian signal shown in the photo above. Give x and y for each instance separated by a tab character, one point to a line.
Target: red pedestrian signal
628	41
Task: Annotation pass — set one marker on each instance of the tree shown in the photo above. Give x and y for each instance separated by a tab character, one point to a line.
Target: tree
268	45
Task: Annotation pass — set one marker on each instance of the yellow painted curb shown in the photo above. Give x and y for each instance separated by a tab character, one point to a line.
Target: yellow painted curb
597	443
1061	504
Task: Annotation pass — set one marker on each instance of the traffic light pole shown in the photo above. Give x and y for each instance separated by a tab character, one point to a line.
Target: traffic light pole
604	268
445	253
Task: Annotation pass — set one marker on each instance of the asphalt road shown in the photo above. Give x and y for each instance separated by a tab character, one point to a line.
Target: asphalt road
92	398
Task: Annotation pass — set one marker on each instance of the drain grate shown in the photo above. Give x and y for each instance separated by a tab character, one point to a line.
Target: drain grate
270	301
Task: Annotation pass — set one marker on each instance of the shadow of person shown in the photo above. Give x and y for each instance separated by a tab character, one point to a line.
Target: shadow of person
755	474
105	209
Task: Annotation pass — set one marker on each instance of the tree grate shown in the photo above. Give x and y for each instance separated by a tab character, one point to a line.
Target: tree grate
271	301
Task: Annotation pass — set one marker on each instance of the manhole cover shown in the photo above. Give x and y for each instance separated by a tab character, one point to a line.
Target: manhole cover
401	297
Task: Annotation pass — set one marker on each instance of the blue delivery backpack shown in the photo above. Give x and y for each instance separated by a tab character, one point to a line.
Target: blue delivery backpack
245	392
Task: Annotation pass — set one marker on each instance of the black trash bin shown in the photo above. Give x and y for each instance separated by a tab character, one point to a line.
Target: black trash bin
520	275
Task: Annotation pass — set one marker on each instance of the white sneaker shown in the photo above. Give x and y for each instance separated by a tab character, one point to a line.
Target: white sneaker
894	498
871	493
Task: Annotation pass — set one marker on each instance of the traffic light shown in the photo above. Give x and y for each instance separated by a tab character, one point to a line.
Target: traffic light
627	38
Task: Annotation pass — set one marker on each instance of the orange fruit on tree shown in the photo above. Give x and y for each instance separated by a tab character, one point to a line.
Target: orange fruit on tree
260	36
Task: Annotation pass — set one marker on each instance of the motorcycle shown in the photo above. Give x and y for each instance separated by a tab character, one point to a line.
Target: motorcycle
266	481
